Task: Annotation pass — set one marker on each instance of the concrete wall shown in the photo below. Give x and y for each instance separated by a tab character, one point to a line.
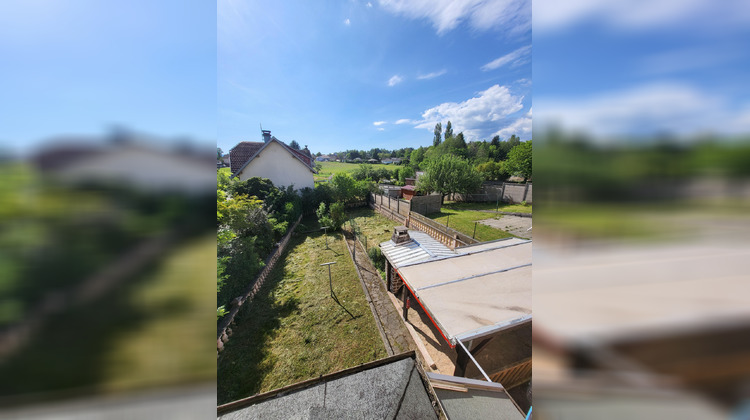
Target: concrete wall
505	191
278	165
426	204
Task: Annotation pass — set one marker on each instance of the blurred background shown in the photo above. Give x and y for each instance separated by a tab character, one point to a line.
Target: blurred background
642	222
107	239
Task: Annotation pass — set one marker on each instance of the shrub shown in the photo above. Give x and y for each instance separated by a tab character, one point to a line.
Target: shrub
376	256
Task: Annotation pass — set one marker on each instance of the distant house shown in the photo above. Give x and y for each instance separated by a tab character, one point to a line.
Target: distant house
131	162
274	160
324	158
394	161
372	161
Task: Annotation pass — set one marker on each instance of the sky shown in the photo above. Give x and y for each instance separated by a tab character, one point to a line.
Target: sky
634	68
353	74
80	67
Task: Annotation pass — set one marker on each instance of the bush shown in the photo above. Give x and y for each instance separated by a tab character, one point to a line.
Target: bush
332	219
376	256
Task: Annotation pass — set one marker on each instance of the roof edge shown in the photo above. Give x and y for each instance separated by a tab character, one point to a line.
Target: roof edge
255	399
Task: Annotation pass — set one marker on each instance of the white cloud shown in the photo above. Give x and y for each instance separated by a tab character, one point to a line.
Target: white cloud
347	22
369	4
640	14
645	109
431	75
376	123
515	58
404	121
381	129
396	79
477	116
479	14
520	127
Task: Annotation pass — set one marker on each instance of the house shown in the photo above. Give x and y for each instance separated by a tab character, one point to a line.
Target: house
394	161
274	160
323	158
135	162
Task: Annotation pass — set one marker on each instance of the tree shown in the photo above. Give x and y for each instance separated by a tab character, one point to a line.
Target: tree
493	171
448	131
219	153
455	145
519	160
495	141
449	174
436	139
294	145
417	156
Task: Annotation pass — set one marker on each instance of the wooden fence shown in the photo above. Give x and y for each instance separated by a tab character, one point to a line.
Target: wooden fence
221	333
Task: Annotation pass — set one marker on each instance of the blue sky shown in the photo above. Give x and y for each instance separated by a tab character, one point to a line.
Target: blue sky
337	75
622	67
81	66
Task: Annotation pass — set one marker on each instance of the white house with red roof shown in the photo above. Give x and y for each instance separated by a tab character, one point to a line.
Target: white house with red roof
274	160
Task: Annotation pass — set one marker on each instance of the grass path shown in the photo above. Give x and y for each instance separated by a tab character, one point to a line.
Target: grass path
293	330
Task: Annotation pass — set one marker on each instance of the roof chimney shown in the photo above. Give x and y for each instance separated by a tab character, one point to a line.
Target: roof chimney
266	136
400	235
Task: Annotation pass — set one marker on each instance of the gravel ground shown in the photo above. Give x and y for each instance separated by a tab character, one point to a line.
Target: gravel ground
515	225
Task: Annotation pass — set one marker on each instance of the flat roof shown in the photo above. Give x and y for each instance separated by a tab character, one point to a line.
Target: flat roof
473	294
633	293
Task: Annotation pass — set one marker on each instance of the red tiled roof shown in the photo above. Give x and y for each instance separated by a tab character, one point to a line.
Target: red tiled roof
241	153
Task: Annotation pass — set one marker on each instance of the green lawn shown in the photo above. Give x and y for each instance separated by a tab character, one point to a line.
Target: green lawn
463	221
512	208
331	168
373	226
293	330
151	330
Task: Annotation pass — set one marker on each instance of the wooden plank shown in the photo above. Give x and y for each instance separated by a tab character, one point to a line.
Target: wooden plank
418	340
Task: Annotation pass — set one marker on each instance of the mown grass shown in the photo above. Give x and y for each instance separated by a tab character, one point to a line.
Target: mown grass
511	208
606	221
151	330
294	330
331	168
172	345
373	226
464	221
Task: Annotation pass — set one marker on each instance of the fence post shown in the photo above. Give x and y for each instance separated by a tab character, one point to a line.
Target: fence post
502	193
475	230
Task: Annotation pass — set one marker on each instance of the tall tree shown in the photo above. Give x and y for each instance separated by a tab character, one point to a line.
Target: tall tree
519	160
448	131
219	153
449	174
294	145
438	130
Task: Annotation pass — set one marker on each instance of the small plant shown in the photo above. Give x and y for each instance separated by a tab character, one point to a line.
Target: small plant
376	256
523	203
220	312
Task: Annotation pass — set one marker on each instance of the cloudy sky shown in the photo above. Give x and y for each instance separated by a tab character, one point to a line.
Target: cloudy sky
625	67
378	73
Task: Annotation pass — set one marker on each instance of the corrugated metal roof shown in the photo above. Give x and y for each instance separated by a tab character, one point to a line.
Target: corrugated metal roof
421	247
